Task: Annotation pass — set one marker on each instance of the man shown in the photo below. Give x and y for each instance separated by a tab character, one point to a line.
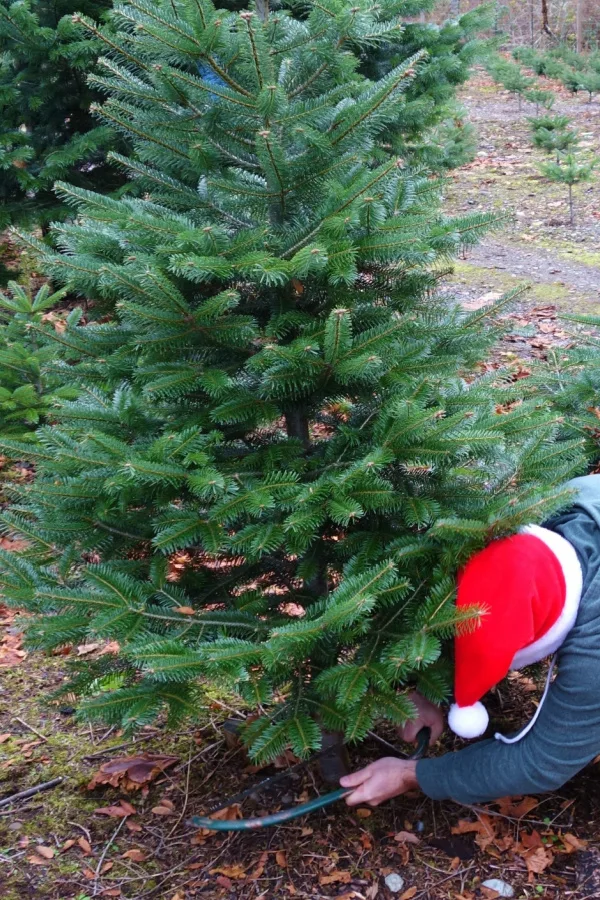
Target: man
541	592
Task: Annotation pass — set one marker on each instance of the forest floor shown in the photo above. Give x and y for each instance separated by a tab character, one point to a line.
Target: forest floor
76	841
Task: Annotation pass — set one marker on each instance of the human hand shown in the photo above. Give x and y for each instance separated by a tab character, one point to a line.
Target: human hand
428	716
381	780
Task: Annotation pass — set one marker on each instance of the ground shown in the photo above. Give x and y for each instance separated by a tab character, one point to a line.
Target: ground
56	845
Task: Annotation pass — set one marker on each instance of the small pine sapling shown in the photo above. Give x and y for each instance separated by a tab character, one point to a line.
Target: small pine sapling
590	82
540	98
571	79
556	141
511	77
570	172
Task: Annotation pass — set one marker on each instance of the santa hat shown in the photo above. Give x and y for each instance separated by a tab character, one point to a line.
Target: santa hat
529	586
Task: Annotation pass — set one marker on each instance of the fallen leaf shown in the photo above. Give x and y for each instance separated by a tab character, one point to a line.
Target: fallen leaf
237	870
133	826
37	860
5	737
85	846
135	855
46	852
306	832
132	772
224	882
406	837
409	894
129	809
184	610
363	813
111	892
537	861
67	845
260	867
84	649
178	896
572	843
281	859
162	811
106	867
508	806
115	812
341	875
87	873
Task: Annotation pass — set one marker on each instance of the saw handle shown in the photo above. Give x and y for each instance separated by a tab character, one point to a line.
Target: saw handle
295	811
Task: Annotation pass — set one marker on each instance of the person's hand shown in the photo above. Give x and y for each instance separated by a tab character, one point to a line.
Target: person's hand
428	716
380	781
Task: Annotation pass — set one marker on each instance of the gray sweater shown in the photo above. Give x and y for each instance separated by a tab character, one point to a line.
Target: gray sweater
566	735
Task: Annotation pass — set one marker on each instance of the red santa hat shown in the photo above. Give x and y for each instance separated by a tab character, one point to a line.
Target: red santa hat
529	586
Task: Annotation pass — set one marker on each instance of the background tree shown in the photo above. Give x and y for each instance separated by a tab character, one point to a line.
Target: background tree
282	450
46	129
569	171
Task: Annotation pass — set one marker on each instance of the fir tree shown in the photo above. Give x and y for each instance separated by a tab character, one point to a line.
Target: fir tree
569	171
282	451
46	130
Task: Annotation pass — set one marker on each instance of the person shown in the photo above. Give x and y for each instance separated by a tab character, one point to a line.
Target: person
540	592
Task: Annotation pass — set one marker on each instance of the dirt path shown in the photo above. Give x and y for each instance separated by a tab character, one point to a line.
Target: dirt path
539	246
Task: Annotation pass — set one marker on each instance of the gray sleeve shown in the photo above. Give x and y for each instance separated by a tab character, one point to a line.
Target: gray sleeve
565	737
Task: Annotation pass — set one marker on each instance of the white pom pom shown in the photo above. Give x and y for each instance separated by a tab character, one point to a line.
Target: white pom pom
468	721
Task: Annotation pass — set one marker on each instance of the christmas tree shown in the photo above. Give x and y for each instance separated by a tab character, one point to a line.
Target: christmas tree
46	130
285	443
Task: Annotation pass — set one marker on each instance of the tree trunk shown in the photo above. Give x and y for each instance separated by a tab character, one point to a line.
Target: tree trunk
455	8
545	18
296	423
572	215
579	24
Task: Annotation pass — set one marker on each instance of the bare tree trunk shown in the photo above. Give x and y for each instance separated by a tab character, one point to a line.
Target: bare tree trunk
546	18
572	218
531	24
455	8
579	24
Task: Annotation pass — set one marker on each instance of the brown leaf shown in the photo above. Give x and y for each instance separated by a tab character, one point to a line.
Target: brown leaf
260	867
224	882
237	870
67	845
85	846
184	610
111	892
406	837
115	812
162	811
106	867
84	649
339	875
133	826
46	852
129	809
508	806
132	772
135	855
531	841
363	813
281	859
572	843
228	814
87	873
5	737
537	861
409	894
37	860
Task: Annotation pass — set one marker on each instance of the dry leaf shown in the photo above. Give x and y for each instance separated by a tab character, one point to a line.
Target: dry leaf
115	812
111	892
84	649
341	875
260	867
572	843
537	861
85	846
178	896
224	882
67	845
132	772
184	610
129	809
87	873
37	860
406	837
46	852
133	826
237	870
281	859
106	867
409	894
162	811
516	810
135	855
5	737
363	813
372	891
306	832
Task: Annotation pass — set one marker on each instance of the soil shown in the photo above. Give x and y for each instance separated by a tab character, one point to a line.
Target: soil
544	848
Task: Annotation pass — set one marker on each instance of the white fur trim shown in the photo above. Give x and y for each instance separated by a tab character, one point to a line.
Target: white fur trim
468	721
571	567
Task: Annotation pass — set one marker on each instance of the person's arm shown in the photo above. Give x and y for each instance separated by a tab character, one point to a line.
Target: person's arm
565	737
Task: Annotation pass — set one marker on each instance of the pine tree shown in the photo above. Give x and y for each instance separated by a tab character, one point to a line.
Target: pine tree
283	447
28	388
568	171
46	130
